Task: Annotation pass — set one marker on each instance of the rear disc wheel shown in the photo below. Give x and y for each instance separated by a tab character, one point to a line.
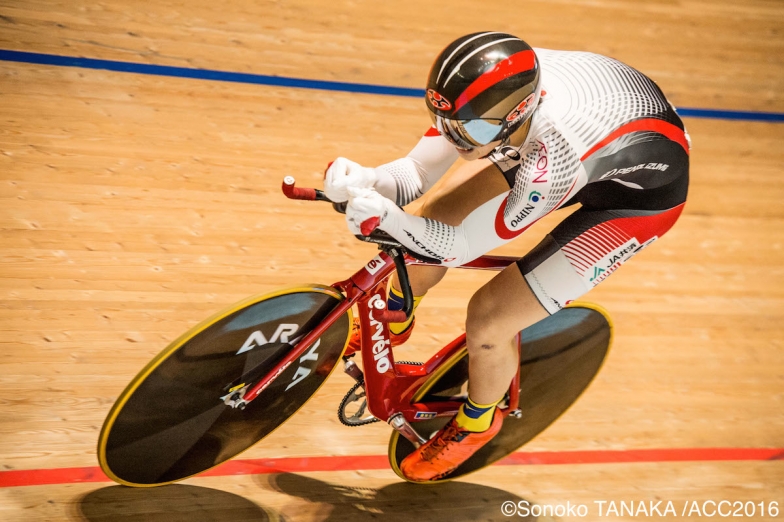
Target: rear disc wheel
560	357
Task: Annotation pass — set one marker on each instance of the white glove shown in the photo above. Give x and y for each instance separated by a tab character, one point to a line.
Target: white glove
342	174
369	207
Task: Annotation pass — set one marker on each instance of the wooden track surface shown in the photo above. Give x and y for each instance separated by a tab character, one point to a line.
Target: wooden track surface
133	206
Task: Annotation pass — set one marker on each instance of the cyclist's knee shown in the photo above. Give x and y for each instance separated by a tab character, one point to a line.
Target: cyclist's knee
499	310
481	319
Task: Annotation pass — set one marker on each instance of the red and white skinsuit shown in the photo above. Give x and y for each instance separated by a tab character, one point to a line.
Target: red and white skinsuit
603	136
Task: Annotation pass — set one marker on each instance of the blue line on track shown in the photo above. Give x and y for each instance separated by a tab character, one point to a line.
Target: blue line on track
283	81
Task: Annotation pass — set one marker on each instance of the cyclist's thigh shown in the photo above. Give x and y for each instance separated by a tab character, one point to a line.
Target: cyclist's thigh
637	191
586	248
461	191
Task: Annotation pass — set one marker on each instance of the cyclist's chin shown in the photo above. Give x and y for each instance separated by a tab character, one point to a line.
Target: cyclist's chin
479	152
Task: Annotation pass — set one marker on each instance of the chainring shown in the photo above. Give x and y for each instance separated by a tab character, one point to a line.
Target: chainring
352	396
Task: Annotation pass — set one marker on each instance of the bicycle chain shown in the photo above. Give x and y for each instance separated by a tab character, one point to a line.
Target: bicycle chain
345	402
348	399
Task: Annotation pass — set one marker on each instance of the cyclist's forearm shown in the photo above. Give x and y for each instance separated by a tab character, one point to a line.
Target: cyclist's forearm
406	179
451	245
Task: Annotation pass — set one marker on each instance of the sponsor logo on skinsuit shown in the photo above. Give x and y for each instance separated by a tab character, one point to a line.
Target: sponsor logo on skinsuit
612	261
542	161
533	198
648	166
520	217
423	247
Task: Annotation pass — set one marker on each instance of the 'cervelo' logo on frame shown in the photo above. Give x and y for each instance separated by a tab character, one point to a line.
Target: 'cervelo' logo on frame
374	265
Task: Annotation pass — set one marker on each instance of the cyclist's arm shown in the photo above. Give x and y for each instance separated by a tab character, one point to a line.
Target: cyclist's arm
406	179
489	226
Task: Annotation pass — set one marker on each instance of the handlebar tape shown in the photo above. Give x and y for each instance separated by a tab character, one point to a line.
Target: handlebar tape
369	225
293	192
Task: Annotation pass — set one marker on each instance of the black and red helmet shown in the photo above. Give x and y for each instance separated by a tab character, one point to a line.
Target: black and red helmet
483	87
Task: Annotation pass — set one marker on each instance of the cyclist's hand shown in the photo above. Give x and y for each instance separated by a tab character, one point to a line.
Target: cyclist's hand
342	174
366	210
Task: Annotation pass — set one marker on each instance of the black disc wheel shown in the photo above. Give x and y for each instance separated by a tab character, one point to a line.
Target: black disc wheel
560	356
171	421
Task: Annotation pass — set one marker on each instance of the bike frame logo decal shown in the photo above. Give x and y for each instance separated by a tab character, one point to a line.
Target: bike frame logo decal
425	415
257	338
374	265
381	345
272	379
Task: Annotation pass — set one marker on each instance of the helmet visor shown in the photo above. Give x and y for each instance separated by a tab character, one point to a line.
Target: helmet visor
469	134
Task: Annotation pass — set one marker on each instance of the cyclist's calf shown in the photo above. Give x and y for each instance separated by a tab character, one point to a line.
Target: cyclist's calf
496	313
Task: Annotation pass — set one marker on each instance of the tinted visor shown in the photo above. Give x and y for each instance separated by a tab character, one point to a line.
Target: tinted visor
468	134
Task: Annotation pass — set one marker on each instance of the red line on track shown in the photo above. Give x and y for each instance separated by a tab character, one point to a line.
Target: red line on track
40	477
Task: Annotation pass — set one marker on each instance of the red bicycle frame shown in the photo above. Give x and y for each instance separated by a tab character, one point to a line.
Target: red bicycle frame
389	386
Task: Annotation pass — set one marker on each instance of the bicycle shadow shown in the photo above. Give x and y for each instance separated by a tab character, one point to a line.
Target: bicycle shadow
325	502
172	503
448	502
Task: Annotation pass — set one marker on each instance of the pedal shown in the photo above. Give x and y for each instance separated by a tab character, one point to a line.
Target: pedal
517	413
399	422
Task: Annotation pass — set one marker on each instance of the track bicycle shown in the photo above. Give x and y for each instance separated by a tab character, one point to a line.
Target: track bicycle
234	378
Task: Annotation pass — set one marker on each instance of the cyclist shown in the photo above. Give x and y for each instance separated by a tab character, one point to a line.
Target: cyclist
548	129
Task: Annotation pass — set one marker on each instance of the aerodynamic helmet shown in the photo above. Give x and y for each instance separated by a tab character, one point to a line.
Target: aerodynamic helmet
482	88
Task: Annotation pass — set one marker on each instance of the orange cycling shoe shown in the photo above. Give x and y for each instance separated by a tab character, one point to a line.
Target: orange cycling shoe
355	342
448	448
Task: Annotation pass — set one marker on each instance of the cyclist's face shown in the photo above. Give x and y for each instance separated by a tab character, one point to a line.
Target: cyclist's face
478	152
468	134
